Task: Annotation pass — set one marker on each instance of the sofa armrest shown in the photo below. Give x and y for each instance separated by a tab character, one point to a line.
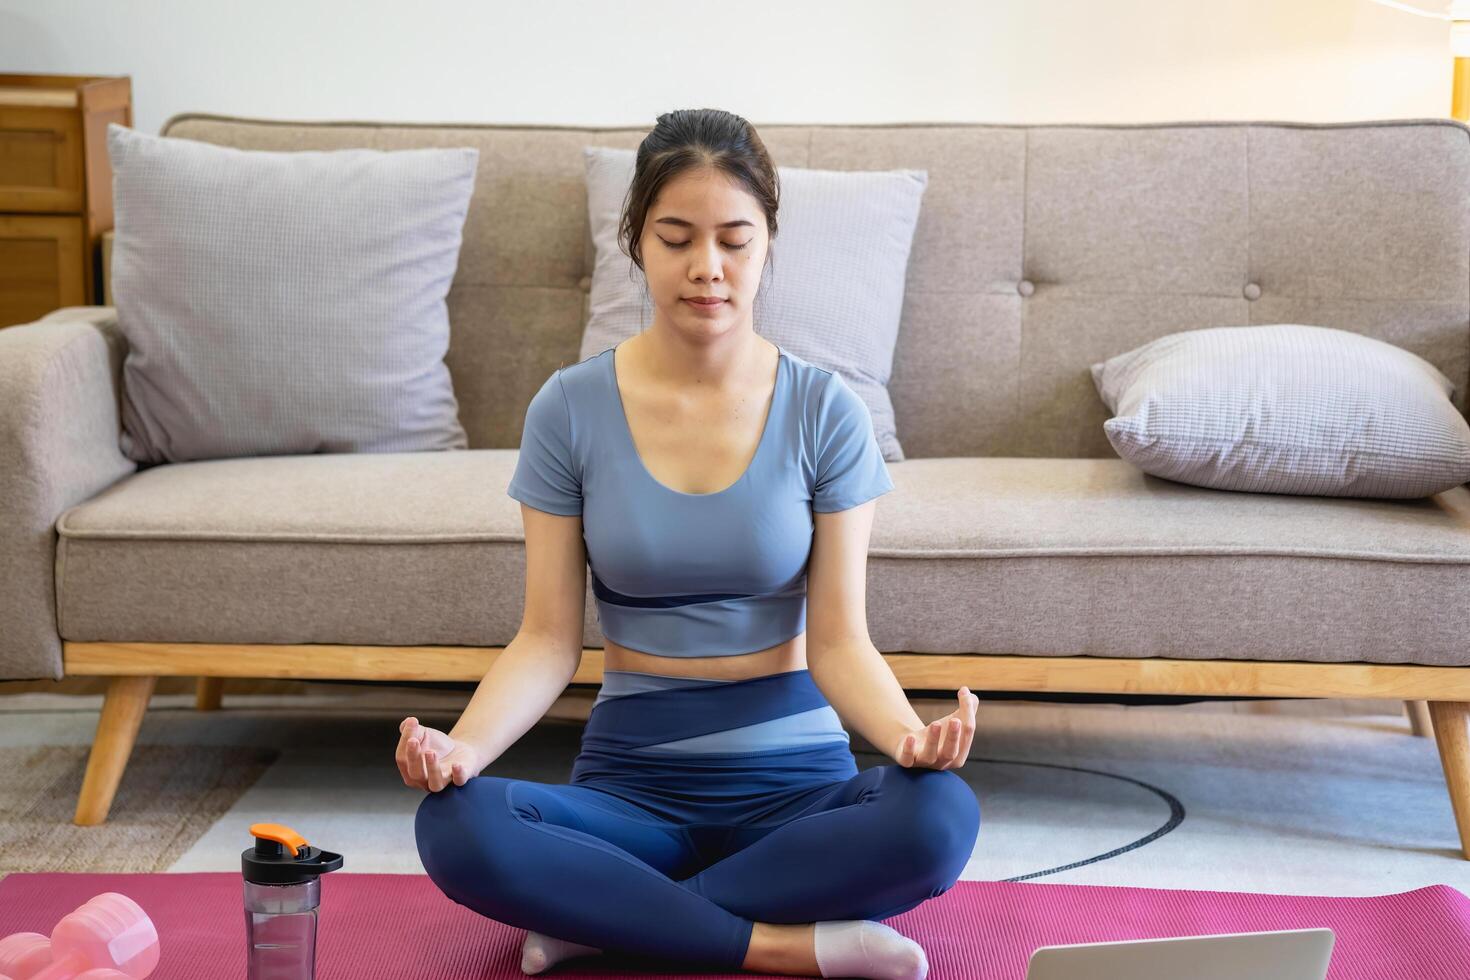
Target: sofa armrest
60	421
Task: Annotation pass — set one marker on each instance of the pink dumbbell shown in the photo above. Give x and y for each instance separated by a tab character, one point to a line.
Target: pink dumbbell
23	954
109	938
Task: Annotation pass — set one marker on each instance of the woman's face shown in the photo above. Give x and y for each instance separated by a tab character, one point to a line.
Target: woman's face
704	236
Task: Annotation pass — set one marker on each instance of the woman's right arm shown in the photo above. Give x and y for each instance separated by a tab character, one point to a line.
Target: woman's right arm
535	667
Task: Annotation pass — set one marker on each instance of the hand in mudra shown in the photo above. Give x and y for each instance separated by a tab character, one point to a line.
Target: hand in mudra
429	759
945	742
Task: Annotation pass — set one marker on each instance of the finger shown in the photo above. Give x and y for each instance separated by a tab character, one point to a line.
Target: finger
932	736
416	764
906	751
956	739
947	741
966	740
446	773
969	726
405	732
930	752
963	756
408	759
432	775
974	705
459	774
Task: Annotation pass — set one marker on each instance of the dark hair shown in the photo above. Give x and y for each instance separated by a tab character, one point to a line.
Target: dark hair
696	138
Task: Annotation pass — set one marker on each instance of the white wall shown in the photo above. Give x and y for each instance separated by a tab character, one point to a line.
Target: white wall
622	63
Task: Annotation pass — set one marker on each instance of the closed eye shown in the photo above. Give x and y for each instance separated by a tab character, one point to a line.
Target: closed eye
679	245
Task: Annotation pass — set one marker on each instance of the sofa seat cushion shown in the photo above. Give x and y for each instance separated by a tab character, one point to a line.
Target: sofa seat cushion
1094	557
1044	557
366	548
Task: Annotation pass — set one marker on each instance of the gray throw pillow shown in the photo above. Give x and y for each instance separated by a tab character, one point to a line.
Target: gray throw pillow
285	302
833	293
1286	408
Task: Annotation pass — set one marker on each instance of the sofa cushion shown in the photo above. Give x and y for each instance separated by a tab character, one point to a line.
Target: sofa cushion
1047	557
1286	408
280	303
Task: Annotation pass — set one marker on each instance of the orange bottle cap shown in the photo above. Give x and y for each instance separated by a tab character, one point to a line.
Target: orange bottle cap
280	833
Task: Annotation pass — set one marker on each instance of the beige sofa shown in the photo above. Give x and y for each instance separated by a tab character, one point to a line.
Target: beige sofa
1018	554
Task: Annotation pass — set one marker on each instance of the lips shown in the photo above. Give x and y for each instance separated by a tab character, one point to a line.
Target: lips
705	300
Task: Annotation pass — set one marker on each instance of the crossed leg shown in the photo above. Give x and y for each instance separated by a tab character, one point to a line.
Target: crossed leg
870	847
576	863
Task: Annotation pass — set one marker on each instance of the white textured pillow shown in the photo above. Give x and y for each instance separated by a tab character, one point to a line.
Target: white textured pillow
851	229
285	302
1286	408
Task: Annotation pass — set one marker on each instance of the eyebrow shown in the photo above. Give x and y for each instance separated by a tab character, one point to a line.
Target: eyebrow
686	224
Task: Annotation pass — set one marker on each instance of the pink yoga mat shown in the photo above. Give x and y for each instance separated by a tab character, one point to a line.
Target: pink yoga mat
376	927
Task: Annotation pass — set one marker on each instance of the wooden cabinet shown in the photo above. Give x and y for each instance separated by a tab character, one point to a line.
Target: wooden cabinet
55	189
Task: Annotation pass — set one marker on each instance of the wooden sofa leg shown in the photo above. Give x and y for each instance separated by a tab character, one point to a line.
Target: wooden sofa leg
117	729
1419	723
207	694
1451	732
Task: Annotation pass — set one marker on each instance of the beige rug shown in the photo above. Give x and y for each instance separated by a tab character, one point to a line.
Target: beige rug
1303	798
170	795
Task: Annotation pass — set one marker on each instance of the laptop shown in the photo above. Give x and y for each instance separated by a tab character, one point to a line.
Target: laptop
1292	954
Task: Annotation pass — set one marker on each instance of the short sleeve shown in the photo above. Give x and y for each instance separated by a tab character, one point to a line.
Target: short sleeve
546	475
850	469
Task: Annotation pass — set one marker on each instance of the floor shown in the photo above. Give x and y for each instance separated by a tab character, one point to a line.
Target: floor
1299	797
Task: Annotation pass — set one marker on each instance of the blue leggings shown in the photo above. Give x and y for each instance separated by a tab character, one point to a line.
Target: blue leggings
695	810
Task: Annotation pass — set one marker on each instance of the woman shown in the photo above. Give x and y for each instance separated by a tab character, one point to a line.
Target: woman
722	491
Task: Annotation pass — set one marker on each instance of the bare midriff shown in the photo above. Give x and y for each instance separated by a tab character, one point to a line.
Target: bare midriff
778	659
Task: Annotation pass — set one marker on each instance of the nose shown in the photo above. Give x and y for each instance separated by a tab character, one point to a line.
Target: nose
705	262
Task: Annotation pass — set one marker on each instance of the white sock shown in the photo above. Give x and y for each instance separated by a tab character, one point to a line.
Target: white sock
540	952
864	948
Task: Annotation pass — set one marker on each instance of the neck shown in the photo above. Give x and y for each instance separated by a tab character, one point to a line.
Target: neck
723	362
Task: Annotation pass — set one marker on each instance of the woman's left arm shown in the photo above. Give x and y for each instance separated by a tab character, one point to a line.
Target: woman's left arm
849	670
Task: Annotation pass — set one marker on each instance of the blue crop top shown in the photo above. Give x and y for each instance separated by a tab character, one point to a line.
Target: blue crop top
698	574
